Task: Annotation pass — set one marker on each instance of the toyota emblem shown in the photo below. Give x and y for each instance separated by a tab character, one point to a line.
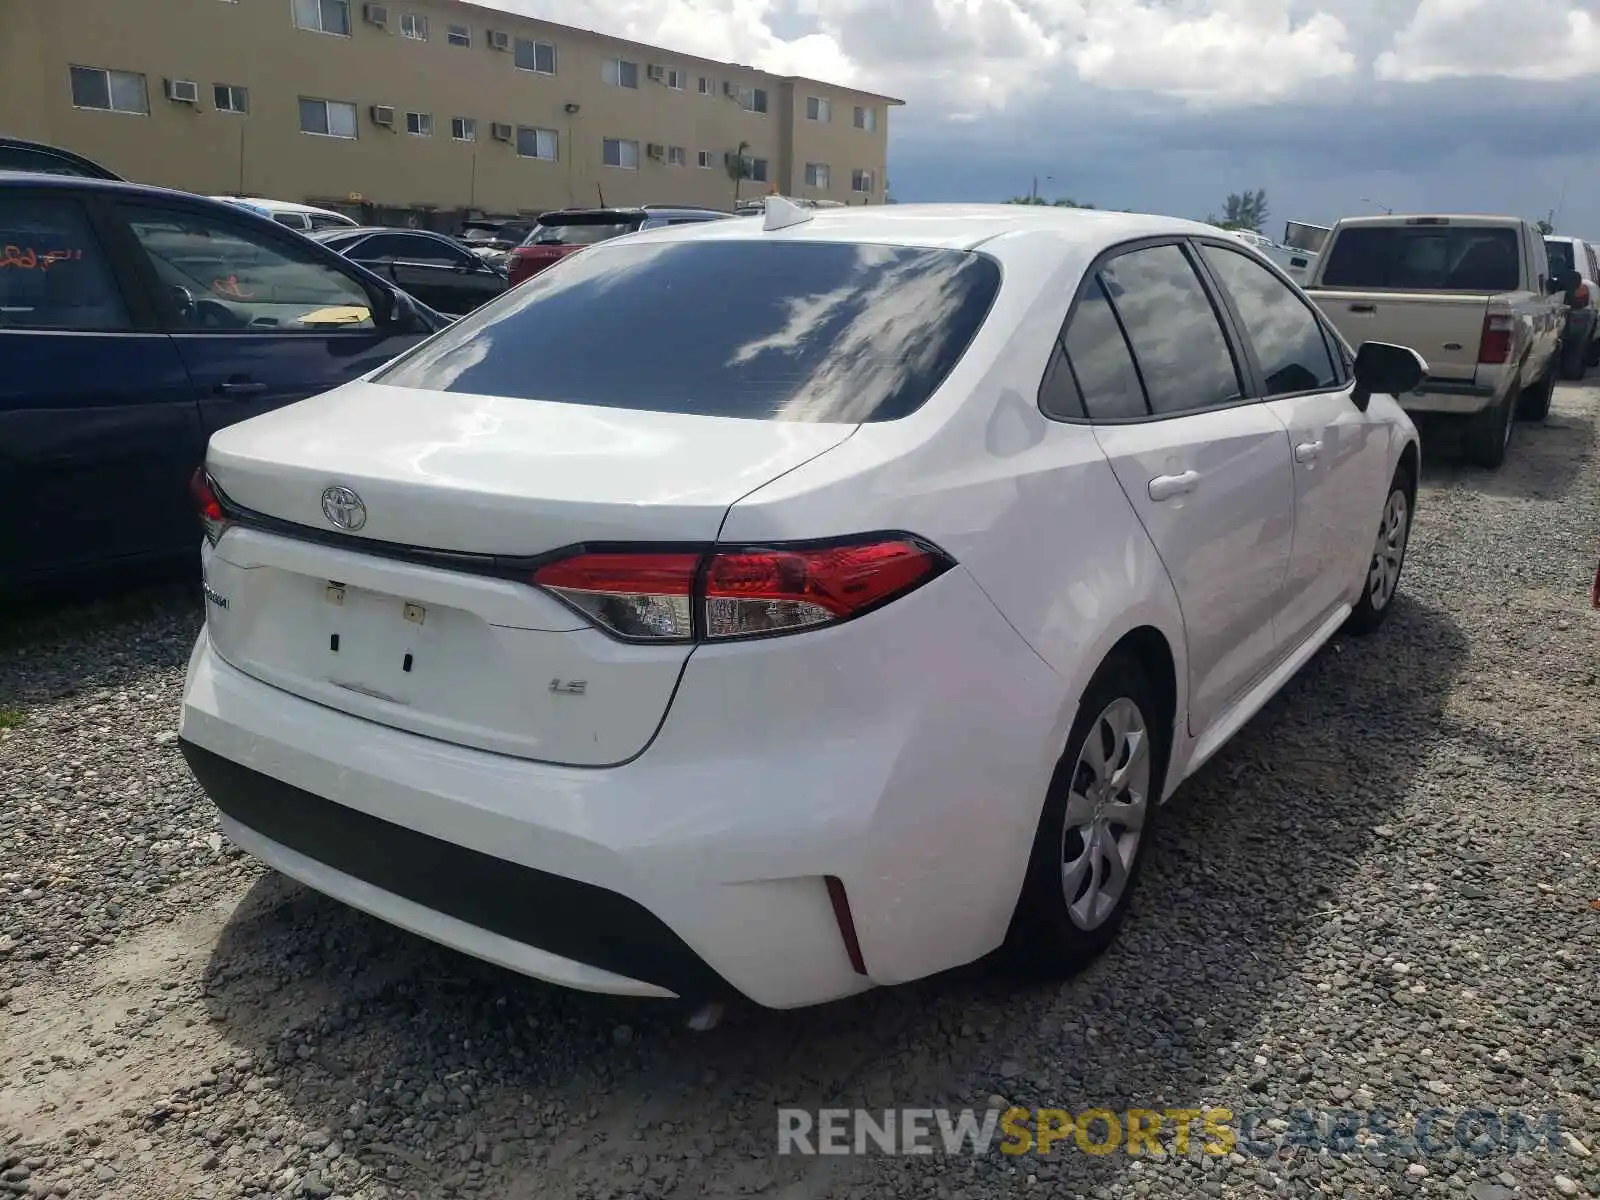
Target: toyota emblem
344	508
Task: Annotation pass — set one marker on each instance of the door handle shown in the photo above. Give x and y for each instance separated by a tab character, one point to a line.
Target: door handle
1165	487
241	387
1307	451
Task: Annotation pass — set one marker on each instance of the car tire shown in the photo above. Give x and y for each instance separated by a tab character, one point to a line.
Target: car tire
1055	932
1382	580
1489	433
1574	361
1534	403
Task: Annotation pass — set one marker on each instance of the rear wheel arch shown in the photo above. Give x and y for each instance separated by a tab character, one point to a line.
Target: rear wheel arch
1411	464
1149	646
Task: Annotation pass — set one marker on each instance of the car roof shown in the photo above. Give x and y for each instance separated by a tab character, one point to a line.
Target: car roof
362	230
635	210
96	170
31	179
949	226
288	206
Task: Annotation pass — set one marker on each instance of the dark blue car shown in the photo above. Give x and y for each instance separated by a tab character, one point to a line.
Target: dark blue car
134	322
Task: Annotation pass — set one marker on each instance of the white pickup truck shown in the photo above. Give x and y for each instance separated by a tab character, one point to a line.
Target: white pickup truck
1473	295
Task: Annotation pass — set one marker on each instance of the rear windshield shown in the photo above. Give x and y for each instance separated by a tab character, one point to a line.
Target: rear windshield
1425	258
781	331
1560	255
580	231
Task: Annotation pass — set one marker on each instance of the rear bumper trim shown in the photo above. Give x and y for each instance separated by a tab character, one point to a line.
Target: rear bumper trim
564	917
1449	396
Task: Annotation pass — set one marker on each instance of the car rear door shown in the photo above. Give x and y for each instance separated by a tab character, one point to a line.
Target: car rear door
1205	467
99	430
1341	455
262	317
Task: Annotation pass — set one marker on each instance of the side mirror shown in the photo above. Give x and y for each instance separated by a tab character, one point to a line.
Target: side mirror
401	315
1391	370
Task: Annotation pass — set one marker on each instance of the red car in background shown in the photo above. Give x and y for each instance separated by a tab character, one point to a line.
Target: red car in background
559	234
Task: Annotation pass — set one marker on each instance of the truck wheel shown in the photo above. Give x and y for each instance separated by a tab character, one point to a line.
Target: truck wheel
1574	361
1489	433
1534	403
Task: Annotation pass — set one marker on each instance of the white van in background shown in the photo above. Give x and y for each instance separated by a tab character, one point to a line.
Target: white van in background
304	217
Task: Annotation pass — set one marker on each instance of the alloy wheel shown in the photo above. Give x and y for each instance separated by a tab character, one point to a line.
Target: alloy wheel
1107	803
1389	552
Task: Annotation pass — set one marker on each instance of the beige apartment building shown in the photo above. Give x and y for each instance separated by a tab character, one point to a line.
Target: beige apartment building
407	107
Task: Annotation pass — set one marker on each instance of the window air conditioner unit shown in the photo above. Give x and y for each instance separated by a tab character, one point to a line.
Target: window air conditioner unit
375	14
383	114
183	91
500	132
656	71
655	150
499	39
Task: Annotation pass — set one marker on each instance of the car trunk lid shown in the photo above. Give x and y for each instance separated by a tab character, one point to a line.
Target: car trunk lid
422	616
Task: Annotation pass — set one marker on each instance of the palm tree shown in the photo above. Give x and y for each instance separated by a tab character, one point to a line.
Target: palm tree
739	169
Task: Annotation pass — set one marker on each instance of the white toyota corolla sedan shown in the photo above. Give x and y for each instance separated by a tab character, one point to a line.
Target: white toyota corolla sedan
791	606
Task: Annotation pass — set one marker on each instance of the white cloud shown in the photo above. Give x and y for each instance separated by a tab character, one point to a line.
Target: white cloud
957	59
1536	39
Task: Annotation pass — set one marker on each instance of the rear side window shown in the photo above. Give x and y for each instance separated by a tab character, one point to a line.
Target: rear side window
1177	341
782	331
52	272
1100	360
1286	335
1560	255
1425	258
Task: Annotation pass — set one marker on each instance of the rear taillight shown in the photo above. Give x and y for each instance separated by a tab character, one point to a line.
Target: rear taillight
728	593
1580	298
1495	344
212	519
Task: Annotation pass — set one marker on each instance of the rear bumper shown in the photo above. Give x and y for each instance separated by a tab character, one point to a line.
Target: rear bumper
1450	396
905	754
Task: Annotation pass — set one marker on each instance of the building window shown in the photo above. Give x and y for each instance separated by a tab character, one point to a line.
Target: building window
675	78
112	91
817	175
323	16
818	109
707	86
535	56
753	99
867	118
705	160
458	35
619	72
676	156
464	129
756	169
419	124
618	153
861	181
230	99
414	27
328	118
537	143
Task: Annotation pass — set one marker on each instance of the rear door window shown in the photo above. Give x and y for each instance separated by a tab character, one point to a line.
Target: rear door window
53	274
1178	343
782	331
1560	255
1425	258
1101	361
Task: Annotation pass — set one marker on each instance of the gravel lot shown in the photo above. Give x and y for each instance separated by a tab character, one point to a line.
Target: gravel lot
1383	894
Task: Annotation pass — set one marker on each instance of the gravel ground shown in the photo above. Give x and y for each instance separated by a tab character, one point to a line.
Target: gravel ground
1382	895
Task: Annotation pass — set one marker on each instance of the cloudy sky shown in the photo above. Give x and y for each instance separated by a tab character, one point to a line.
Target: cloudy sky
1168	105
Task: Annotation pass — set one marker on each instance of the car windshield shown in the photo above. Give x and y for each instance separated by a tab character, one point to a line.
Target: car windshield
580	231
1560	255
1425	258
781	331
